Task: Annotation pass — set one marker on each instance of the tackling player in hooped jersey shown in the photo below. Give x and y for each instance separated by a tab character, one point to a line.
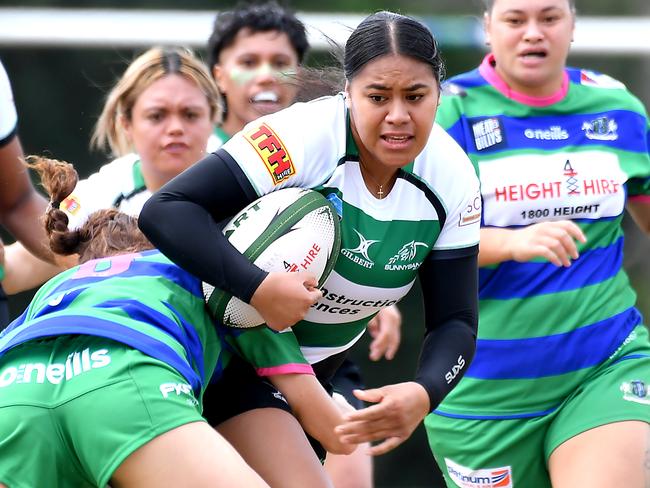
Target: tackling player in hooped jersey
101	378
408	201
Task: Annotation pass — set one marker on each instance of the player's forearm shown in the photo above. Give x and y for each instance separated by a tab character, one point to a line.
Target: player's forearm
182	220
494	246
24	271
450	292
25	223
314	408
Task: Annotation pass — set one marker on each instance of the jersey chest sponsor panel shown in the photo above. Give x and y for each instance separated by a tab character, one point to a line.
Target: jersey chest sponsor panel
523	189
105	298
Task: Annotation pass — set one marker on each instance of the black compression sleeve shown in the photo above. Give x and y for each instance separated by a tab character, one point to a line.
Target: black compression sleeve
181	219
450	291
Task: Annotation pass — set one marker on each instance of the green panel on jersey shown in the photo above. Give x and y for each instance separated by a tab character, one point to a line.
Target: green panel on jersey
511	397
487	101
380	246
265	348
551	318
138	178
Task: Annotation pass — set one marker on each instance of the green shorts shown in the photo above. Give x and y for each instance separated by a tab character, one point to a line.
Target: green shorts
73	408
515	452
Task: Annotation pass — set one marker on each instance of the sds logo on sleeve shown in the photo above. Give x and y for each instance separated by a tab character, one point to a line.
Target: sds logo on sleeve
451	374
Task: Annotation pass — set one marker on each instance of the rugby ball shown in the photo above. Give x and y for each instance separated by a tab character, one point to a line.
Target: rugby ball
290	230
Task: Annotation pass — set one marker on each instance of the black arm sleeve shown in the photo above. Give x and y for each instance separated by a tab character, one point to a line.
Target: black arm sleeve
181	219
450	291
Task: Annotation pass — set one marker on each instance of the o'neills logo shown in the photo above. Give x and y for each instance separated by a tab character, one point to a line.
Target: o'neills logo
553	133
270	149
76	364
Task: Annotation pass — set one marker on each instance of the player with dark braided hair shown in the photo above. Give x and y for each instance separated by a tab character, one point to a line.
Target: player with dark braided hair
101	378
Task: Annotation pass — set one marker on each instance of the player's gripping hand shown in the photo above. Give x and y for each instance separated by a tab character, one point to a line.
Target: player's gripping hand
283	299
397	411
555	241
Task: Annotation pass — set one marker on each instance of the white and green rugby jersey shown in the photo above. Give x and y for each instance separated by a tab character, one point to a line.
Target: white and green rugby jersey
578	154
118	184
433	210
8	116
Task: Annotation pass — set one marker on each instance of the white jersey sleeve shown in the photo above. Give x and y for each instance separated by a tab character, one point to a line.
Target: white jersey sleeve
8	115
99	190
298	146
444	164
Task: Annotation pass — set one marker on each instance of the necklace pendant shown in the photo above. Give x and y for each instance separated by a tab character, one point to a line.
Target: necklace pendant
380	192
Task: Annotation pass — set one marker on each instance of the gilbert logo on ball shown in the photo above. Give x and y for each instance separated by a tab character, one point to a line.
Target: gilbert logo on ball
290	230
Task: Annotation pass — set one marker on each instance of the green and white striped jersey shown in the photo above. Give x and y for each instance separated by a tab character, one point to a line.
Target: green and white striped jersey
433	211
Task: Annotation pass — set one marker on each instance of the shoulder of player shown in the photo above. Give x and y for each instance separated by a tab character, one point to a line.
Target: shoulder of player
442	153
306	116
115	174
314	130
5	85
606	89
459	85
443	164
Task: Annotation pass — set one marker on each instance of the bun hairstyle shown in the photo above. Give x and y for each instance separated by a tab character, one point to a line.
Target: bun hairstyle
106	232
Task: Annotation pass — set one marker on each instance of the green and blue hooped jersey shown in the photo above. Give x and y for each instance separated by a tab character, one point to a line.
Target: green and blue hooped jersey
142	300
433	210
577	155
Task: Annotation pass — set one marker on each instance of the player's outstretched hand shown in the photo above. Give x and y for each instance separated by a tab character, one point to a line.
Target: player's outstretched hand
555	241
283	299
397	411
385	329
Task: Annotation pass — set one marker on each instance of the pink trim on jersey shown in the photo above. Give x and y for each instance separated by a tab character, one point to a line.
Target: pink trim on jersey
640	198
490	74
298	368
